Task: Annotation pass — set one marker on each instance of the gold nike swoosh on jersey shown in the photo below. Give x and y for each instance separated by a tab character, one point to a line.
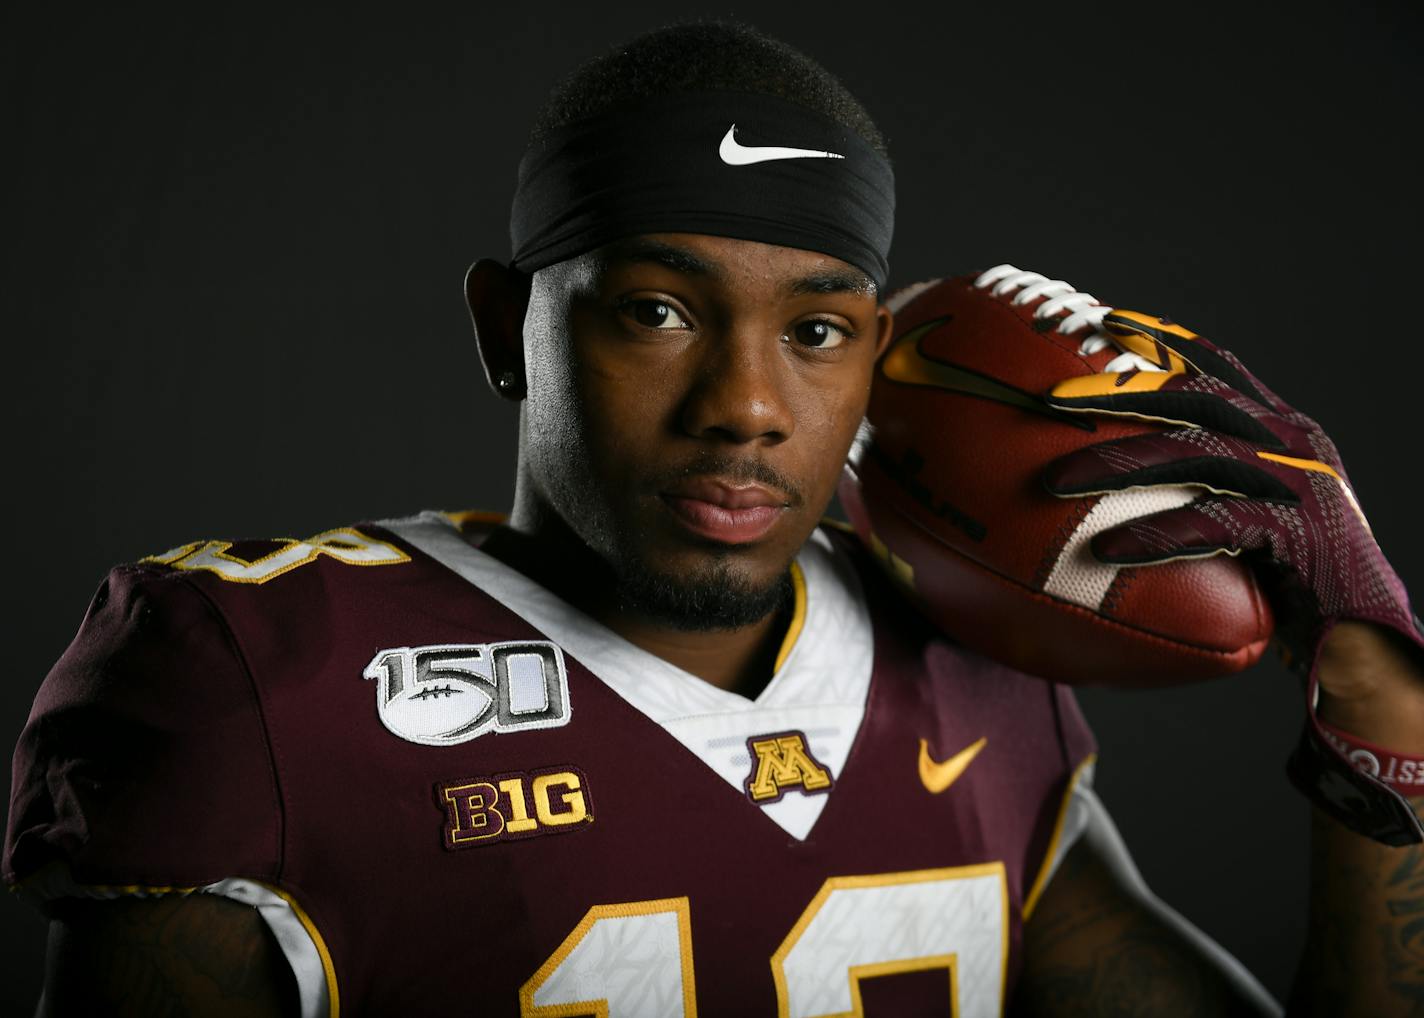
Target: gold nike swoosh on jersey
906	363
936	777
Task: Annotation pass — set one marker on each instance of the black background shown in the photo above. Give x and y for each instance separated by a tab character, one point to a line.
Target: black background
234	254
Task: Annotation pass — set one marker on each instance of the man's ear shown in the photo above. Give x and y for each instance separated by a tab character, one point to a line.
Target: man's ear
498	297
885	323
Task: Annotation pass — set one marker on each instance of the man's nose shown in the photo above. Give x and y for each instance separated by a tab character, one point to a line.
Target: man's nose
738	391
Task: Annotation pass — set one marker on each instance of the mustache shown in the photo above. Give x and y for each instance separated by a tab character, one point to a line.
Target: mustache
737	471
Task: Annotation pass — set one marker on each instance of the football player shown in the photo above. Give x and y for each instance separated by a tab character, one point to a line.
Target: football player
658	742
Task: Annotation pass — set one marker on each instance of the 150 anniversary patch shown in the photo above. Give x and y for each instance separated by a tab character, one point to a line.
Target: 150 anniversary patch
445	694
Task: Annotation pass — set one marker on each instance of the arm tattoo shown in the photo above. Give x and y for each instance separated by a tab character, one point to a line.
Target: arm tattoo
1093	950
1403	932
1144	972
1364	951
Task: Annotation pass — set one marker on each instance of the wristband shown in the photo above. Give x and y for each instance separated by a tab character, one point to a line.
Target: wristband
1398	770
1327	770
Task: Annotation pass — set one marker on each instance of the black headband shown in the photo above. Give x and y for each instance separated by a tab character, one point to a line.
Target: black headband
674	164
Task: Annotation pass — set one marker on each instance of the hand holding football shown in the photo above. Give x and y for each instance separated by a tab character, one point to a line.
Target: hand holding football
946	487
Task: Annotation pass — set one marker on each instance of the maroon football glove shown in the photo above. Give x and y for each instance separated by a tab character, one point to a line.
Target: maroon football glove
1275	490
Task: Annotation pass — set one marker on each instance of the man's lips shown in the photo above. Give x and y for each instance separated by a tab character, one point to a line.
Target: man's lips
733	514
724	494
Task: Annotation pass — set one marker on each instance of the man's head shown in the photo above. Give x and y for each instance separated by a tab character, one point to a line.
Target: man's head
692	377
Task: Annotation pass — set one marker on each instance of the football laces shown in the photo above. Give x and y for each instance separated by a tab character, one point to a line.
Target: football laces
1074	310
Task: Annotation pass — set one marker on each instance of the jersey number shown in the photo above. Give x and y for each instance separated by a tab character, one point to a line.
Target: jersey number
635	959
344	545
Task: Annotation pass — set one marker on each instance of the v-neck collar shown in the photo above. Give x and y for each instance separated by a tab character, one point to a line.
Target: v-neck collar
819	688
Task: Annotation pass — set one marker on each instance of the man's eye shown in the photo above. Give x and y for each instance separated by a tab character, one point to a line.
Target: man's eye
653	314
820	334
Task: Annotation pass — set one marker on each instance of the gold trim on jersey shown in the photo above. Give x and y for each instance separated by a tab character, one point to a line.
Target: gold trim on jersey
900	570
328	967
465	518
1041	880
798	618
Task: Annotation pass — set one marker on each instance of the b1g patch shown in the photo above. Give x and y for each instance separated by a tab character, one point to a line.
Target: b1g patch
445	694
782	762
519	804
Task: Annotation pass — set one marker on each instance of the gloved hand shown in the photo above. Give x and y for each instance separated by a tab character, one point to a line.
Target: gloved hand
1274	489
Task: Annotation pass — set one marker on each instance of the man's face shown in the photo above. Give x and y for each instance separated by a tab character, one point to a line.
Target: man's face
691	400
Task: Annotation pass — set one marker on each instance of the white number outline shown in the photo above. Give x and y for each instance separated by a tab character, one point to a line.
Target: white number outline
866	970
681	907
855	973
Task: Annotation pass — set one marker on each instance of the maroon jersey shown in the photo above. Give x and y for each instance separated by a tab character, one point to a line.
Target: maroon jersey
449	792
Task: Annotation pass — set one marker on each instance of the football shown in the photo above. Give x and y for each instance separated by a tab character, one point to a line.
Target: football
438	696
944	485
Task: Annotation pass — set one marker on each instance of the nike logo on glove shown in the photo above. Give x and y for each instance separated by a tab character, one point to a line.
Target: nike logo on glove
936	777
734	154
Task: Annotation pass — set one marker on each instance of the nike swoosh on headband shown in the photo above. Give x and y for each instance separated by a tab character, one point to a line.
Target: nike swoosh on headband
905	362
735	154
